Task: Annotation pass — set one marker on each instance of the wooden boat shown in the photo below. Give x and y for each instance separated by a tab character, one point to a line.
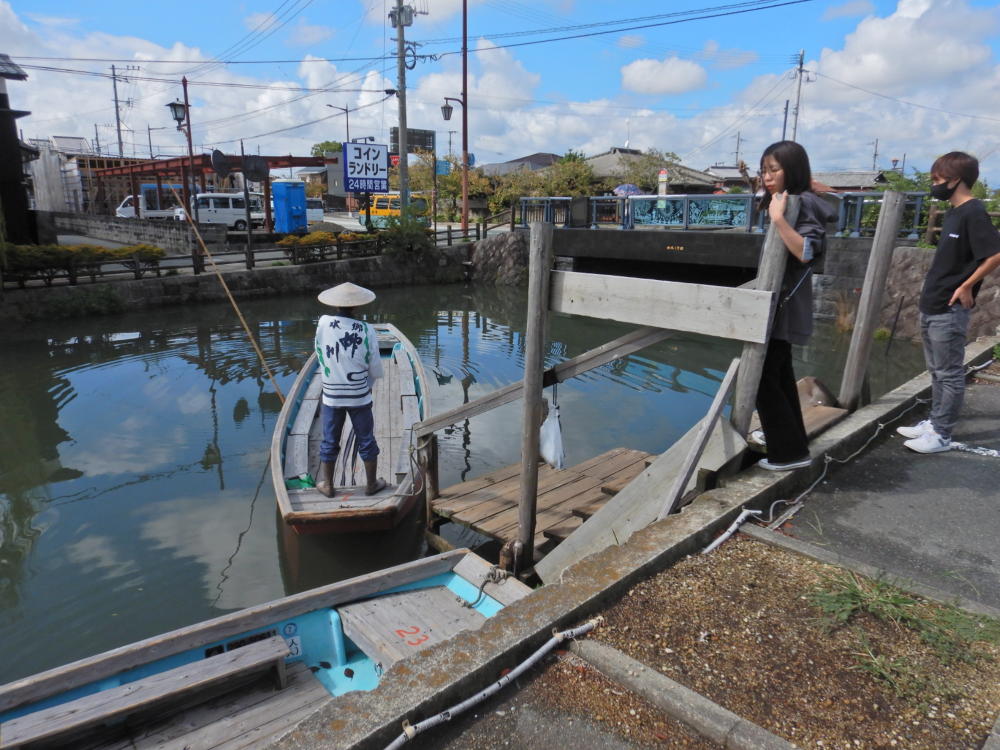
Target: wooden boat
400	400
247	677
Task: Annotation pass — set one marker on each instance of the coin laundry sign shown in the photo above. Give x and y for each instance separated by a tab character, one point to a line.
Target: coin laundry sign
366	168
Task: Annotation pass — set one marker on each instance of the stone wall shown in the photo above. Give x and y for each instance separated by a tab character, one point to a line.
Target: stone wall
175	237
501	259
906	279
382	271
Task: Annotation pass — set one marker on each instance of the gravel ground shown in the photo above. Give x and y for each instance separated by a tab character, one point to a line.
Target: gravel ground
738	626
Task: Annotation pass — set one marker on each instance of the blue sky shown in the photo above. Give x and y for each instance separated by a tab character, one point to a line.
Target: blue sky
878	69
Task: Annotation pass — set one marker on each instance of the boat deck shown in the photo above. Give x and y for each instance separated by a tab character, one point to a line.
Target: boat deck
395	404
566	498
249	718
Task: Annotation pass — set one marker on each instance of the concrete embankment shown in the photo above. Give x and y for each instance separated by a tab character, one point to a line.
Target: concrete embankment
444	266
435	679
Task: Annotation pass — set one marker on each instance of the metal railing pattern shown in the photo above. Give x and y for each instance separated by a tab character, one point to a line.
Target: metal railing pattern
856	217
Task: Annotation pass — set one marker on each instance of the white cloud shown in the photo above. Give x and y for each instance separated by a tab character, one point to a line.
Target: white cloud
52	20
669	76
631	41
850	9
726	59
256	21
305	34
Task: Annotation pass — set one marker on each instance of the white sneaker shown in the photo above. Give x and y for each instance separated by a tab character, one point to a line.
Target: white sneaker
916	430
929	442
756	438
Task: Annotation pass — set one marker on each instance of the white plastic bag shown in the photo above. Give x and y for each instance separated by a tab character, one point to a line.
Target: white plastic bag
550	443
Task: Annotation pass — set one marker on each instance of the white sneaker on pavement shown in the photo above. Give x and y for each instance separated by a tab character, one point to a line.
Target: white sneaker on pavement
915	431
929	442
786	466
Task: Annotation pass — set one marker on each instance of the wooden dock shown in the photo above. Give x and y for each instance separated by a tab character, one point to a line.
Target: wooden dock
566	498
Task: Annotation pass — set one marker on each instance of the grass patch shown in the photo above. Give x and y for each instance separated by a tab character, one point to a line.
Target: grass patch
881	334
279	263
951	634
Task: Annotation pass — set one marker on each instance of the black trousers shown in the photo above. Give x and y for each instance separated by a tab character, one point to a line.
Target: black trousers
778	406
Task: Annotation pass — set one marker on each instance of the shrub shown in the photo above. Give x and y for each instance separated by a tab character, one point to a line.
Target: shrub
317	238
139	258
405	234
289	240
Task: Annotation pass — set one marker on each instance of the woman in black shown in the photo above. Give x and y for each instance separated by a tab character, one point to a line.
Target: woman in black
784	168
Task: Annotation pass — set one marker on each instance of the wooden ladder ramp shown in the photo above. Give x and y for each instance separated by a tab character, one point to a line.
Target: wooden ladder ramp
116	703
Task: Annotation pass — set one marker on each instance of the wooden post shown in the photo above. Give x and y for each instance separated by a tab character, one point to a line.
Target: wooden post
889	220
539	267
427	460
932	217
449	235
773	258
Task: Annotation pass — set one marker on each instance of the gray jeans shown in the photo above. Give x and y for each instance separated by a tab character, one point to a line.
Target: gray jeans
944	351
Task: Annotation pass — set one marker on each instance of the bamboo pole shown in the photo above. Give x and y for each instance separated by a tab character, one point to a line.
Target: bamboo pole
889	219
232	301
539	267
773	259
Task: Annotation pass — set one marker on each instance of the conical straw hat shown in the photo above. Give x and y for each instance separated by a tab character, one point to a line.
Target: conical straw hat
346	295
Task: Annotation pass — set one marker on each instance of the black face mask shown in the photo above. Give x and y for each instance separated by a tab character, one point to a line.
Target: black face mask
942	192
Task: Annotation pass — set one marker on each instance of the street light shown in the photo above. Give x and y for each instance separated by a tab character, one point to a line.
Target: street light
181	112
347	118
446	112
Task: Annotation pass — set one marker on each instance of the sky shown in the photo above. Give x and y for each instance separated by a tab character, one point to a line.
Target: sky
883	79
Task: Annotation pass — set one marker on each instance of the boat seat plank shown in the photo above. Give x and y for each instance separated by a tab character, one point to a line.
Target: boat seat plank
106	705
402	453
391	628
308	411
474	569
253	717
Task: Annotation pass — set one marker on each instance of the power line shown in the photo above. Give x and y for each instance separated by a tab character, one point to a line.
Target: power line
297	61
903	101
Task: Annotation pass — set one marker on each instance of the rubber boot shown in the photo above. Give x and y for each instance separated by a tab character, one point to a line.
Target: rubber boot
374	484
324	484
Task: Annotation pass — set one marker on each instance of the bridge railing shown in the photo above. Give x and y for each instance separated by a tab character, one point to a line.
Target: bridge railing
856	217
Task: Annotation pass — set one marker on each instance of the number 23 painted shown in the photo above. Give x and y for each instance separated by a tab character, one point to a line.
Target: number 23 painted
414	630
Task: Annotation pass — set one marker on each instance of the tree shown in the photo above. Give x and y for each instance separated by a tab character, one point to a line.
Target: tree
319	149
567	177
644	169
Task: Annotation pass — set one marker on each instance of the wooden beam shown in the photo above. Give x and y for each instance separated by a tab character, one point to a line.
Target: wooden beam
872	292
726	312
619	347
539	268
773	259
639	502
700	441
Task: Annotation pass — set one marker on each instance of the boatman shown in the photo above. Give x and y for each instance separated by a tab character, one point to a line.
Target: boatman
347	349
968	250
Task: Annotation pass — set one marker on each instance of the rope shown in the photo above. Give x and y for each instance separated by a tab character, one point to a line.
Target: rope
495	574
794	505
232	301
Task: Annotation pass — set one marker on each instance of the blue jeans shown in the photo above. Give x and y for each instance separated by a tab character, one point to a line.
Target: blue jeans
944	351
364	431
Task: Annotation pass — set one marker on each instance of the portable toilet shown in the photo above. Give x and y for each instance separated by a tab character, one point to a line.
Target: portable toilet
289	205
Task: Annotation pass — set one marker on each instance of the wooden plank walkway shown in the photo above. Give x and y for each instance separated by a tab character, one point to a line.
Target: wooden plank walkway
488	504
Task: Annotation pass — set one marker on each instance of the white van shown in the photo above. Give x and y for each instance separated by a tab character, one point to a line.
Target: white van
148	208
314	210
225	208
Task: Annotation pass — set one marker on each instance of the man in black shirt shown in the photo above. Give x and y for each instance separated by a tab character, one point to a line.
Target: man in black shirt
968	250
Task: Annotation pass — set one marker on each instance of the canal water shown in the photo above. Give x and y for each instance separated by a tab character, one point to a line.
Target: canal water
135	492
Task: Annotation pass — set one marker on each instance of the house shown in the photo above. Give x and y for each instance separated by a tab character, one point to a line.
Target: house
849	181
62	178
532	162
727	177
680	179
13	196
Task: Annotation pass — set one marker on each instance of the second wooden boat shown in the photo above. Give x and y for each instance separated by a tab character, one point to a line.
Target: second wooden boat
399	400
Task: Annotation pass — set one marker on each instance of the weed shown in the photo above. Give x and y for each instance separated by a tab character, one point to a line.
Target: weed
848	594
898	673
279	263
846	310
996	351
881	334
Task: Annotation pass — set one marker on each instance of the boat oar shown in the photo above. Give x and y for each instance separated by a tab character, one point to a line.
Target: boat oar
229	294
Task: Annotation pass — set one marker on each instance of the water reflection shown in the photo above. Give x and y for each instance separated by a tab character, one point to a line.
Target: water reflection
135	495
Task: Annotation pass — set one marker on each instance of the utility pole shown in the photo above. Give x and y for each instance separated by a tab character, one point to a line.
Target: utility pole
875	155
402	17
97	140
737	148
798	95
118	119
784	125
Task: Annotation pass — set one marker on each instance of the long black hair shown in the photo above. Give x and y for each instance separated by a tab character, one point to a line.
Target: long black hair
794	163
